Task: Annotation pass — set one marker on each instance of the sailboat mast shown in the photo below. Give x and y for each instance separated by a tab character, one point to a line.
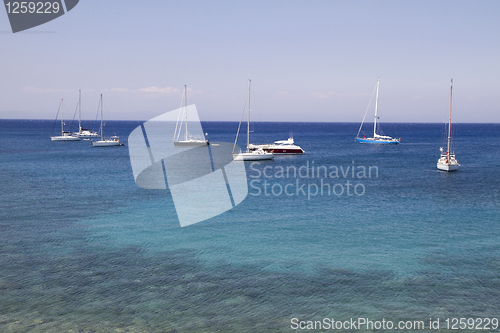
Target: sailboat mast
248	121
376	108
80	110
102	134
62	117
449	124
185	111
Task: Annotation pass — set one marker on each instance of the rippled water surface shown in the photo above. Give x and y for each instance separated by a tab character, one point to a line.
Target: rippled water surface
83	249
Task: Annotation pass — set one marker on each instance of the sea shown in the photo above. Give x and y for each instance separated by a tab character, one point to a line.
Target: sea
346	237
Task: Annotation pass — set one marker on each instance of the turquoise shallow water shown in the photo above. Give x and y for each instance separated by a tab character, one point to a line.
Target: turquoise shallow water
84	249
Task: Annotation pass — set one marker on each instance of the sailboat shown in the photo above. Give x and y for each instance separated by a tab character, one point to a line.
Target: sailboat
377	138
447	161
112	141
65	136
187	140
83	132
250	155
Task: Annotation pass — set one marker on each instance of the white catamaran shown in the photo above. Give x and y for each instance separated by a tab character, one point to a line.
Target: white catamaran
250	155
65	136
187	140
377	139
83	132
112	141
447	161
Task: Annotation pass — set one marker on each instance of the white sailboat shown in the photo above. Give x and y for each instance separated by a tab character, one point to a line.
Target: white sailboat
112	141
447	161
250	155
376	139
187	140
83	132
65	136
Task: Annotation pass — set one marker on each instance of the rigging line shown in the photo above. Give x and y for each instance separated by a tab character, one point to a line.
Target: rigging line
57	115
102	108
239	126
369	103
97	114
176	134
74	115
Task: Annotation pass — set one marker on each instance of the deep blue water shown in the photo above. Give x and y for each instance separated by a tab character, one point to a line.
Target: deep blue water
83	248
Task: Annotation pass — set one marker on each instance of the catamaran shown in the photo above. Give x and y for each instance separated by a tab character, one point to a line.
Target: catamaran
83	132
250	155
112	141
187	140
65	136
447	161
377	138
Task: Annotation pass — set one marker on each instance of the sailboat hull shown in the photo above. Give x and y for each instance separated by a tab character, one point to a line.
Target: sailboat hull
253	156
445	164
191	143
447	167
378	141
87	134
64	138
106	143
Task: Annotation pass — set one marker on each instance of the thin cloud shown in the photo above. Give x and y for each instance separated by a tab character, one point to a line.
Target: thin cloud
280	94
322	95
316	95
156	90
329	94
117	90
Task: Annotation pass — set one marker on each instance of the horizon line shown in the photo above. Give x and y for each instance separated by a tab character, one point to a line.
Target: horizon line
267	121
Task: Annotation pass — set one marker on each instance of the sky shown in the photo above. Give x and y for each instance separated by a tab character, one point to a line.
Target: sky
308	60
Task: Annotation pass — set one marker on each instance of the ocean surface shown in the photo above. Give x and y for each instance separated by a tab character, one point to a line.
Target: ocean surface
84	249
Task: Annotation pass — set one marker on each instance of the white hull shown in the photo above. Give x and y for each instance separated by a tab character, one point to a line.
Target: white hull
87	134
190	143
253	156
447	167
447	164
64	138
379	141
106	143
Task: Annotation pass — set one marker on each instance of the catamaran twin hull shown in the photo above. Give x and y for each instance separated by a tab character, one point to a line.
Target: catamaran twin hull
378	141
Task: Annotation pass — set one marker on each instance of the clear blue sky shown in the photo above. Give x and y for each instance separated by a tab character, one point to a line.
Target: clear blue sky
308	60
